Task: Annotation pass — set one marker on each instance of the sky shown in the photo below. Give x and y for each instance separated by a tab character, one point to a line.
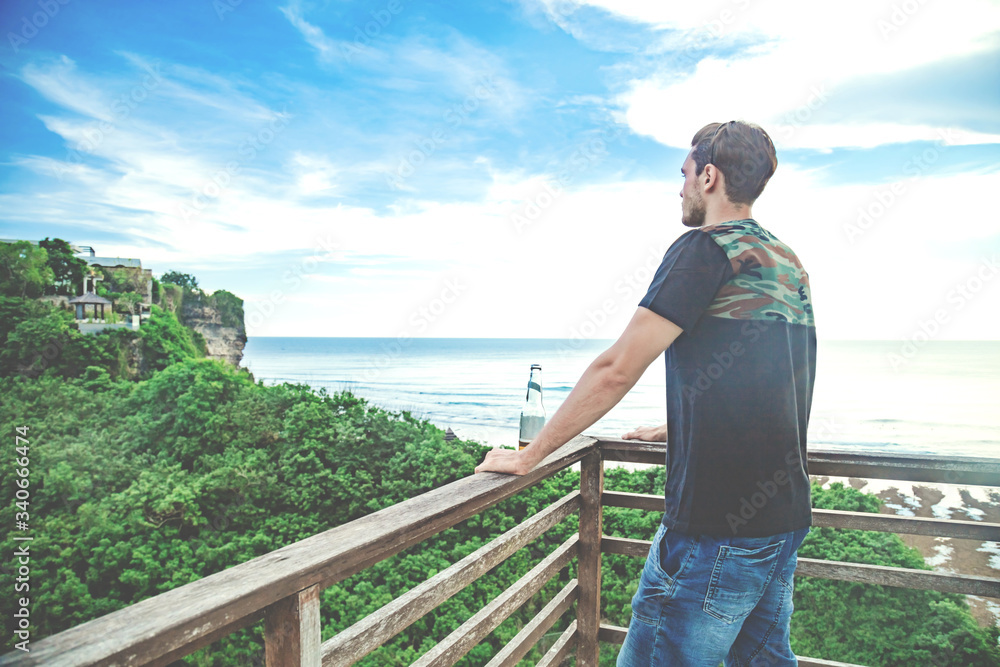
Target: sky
506	168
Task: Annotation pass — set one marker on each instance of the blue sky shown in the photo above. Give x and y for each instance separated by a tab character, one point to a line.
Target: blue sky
402	168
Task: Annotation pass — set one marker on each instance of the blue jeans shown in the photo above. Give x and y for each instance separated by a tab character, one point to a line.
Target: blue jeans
703	600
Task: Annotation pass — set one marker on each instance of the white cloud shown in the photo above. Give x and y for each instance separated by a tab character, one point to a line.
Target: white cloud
801	48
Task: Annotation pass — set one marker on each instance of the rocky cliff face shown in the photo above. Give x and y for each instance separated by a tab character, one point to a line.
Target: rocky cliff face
224	342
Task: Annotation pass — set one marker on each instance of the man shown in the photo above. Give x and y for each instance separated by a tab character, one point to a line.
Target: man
730	305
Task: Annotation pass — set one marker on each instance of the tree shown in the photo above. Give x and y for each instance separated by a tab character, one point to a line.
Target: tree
68	269
182	279
128	301
24	271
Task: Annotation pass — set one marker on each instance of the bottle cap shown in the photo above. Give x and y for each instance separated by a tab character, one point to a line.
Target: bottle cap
534	366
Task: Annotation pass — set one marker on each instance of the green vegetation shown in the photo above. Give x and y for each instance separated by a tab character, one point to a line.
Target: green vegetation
67	269
185	280
140	487
24	269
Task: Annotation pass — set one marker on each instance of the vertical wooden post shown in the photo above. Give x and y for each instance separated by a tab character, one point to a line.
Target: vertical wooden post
291	630
588	607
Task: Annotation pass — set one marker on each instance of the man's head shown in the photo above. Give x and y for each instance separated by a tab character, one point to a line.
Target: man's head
742	160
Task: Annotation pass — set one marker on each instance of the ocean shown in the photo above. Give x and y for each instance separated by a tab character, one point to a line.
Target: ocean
877	396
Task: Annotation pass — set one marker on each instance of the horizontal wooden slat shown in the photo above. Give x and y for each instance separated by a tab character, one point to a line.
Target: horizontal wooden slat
625	546
859	572
615	634
612	634
179	618
899	577
639	501
977	471
369	633
633	451
886	523
909	525
451	649
560	650
529	635
910	468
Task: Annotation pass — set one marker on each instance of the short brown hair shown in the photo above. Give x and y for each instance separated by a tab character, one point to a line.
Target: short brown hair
743	152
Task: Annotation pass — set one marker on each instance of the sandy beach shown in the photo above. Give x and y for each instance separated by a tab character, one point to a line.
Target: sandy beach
944	501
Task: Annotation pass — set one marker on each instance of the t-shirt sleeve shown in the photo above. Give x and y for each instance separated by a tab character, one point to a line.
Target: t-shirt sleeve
691	272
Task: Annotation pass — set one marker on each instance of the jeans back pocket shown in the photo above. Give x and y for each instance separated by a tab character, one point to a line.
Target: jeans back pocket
739	579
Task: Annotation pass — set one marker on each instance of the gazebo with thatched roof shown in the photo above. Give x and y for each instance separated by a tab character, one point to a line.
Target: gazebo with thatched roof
89	299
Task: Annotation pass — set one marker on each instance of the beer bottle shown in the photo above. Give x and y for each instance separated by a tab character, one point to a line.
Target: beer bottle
533	412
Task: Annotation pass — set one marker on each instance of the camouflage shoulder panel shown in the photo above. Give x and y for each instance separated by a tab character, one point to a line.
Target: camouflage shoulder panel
768	280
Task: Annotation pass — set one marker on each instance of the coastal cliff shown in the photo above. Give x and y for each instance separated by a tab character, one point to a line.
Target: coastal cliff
216	318
223	340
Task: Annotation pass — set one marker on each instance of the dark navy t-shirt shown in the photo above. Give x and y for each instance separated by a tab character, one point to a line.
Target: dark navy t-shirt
739	381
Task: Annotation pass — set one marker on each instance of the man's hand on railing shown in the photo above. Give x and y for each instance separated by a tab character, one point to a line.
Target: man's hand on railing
507	461
648	434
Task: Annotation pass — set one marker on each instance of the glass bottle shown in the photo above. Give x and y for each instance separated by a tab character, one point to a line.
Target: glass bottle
533	412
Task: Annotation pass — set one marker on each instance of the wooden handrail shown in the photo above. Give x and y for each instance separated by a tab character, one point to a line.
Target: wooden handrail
182	620
357	641
970	470
283	587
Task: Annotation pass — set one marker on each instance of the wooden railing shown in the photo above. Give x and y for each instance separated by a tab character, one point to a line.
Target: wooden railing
283	587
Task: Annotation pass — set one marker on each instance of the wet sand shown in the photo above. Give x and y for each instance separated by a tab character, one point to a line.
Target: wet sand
945	501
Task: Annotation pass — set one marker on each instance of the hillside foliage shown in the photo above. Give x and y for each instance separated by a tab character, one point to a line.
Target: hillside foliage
141	487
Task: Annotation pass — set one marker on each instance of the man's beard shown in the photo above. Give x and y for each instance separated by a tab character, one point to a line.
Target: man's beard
695	215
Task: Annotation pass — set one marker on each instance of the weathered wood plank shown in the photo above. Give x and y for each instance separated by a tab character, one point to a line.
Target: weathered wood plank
633	451
886	523
639	501
625	546
588	609
560	650
612	634
176	619
357	641
899	577
615	634
529	635
977	471
173	656
859	572
911	468
451	649
291	630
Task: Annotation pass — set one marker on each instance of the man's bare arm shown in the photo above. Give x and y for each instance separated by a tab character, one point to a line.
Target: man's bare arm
608	378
